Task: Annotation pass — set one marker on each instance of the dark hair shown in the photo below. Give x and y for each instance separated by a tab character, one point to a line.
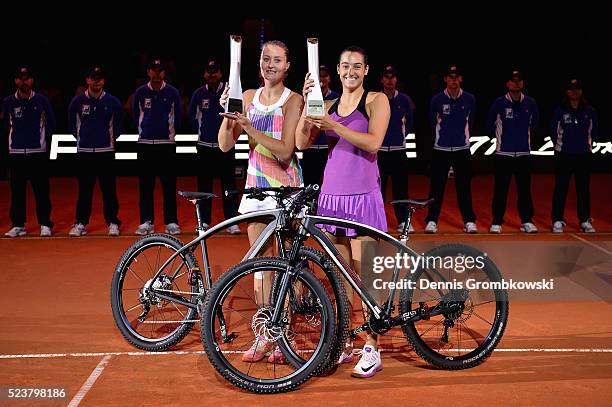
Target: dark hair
354	48
278	44
582	103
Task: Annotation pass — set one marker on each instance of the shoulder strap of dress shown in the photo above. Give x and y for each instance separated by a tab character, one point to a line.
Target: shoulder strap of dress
334	107
361	107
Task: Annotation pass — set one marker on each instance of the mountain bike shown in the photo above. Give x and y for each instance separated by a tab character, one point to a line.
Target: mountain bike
447	324
158	287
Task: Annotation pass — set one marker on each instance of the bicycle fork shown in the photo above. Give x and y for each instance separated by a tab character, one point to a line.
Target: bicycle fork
293	257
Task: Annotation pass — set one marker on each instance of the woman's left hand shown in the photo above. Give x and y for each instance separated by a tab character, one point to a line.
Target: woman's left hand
243	121
324	123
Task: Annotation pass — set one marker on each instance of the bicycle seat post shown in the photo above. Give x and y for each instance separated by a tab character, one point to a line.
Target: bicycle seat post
200	226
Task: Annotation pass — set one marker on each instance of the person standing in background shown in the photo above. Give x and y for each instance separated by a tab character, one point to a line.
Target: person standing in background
203	113
574	128
157	111
392	160
30	122
452	116
95	119
513	118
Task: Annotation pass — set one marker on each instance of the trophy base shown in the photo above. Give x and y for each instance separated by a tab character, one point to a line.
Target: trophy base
315	108
234	105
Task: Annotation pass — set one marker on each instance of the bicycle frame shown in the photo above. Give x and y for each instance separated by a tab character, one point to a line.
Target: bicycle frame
310	222
382	319
276	219
275	223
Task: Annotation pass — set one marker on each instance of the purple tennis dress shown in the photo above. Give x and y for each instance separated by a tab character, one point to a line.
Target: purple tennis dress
351	182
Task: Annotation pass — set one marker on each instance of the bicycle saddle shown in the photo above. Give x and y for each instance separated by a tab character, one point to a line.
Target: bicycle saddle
413	203
196	195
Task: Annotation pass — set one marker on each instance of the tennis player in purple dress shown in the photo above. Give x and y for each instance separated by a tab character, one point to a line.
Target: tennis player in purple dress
355	126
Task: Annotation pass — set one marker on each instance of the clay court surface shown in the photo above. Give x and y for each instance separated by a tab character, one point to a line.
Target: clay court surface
58	331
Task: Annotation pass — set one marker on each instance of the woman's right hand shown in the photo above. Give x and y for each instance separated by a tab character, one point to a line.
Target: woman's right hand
308	85
224	97
229	123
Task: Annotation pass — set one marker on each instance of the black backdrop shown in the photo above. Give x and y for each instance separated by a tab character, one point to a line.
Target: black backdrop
549	46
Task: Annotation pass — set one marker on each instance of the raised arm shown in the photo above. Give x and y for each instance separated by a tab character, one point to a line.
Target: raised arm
306	133
230	130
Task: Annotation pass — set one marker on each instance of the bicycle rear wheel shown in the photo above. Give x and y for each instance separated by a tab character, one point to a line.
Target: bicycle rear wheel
465	337
252	359
146	320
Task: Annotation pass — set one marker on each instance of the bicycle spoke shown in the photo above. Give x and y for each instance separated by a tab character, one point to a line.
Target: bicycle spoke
133	308
180	275
237	312
137	276
483	303
248	296
148	263
458	340
429	295
157	260
164	323
179	311
490	323
472	333
432	327
154	320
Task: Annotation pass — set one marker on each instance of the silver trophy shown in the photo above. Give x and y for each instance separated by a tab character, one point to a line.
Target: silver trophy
234	103
314	100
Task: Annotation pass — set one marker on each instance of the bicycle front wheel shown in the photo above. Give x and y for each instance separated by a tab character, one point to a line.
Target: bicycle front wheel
318	264
467	335
241	304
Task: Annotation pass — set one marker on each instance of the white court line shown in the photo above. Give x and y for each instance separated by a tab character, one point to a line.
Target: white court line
570	350
90	382
96	354
109	354
591	244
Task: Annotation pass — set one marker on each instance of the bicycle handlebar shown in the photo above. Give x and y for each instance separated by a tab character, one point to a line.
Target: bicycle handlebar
305	195
284	190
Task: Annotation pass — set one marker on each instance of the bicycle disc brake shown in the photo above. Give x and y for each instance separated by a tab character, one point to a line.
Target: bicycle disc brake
262	325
